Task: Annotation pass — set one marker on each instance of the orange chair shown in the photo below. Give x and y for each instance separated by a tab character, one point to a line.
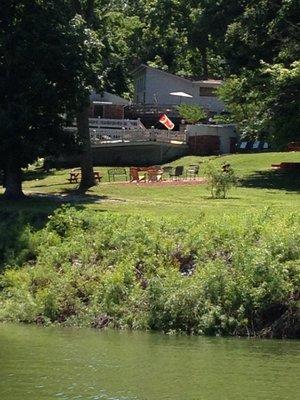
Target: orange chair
134	175
154	174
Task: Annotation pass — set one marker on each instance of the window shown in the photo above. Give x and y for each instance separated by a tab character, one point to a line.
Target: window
207	91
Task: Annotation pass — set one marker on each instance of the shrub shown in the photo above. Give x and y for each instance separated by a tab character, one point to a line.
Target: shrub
238	275
191	113
220	179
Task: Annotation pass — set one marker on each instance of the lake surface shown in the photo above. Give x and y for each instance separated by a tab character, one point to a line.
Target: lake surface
39	363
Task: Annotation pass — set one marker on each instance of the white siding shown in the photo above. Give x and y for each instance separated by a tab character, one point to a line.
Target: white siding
140	87
153	85
160	84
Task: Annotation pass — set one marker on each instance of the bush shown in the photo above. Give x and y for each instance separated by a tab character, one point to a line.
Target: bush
235	276
191	113
220	179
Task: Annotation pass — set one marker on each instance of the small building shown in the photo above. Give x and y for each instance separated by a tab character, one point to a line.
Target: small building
107	105
212	139
153	87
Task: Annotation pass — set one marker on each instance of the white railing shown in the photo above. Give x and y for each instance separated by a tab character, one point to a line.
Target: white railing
106	136
161	135
116	123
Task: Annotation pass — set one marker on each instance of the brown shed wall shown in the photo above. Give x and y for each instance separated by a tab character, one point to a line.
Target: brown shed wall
204	145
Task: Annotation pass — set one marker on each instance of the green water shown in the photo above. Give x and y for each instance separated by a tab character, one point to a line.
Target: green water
52	363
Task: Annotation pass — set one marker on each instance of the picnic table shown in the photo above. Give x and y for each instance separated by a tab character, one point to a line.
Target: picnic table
287	166
75	176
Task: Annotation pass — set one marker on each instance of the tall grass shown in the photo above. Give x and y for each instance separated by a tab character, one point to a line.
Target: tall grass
238	275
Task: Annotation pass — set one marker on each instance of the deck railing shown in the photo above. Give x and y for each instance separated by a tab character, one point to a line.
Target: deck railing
161	135
116	123
145	109
108	135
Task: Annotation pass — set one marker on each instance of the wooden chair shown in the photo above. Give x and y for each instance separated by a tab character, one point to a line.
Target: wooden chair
154	174
135	176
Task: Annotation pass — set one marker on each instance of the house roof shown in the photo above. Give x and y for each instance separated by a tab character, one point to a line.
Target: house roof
214	83
109	98
145	66
204	83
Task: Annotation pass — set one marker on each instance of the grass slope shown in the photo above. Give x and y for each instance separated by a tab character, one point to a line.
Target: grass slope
260	187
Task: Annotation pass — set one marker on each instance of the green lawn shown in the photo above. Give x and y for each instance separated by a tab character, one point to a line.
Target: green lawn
260	187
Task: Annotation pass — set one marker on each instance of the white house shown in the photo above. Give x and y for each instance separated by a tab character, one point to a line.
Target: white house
153	86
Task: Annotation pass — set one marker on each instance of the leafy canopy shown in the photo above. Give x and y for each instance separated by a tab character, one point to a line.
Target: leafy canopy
46	54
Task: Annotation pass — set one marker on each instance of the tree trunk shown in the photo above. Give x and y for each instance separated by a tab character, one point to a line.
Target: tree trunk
86	10
87	171
13	182
204	63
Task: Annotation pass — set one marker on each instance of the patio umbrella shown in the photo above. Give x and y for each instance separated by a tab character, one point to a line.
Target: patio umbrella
181	95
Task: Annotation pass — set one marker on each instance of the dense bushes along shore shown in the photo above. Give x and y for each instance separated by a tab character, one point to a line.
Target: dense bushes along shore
235	276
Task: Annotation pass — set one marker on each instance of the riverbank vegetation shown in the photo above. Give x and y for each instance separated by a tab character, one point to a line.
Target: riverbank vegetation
158	257
238	275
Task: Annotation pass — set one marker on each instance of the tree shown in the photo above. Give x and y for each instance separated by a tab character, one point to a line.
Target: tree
243	103
281	101
266	30
220	179
191	113
86	9
265	102
262	49
44	50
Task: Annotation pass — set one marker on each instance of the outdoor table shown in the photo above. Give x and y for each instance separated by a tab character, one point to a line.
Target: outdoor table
75	176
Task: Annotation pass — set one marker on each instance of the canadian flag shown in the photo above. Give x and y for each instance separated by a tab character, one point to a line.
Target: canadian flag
163	119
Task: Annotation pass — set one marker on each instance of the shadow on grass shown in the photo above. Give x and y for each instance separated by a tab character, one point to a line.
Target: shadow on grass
37	174
273	179
47	185
228	197
19	218
71	196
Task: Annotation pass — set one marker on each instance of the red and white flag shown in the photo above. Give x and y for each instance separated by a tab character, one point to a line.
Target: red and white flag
163	119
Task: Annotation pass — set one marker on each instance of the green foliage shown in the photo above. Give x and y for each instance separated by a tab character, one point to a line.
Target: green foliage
265	103
49	59
191	113
233	276
220	179
266	30
17	241
281	103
